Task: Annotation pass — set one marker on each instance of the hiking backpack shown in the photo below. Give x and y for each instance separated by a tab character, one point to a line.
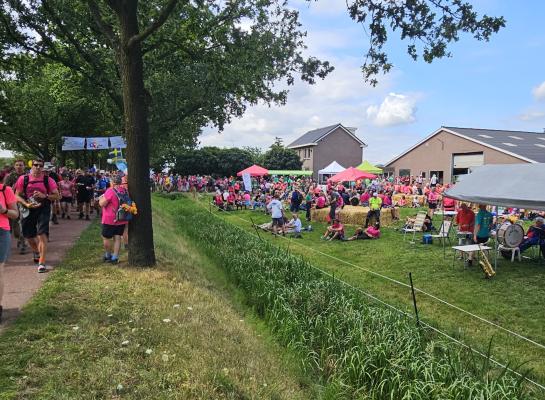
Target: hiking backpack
121	214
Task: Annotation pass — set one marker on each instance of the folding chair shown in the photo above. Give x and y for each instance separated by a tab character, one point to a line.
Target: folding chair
417	226
444	231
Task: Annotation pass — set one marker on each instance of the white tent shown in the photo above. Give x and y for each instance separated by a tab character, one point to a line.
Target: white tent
332	169
505	185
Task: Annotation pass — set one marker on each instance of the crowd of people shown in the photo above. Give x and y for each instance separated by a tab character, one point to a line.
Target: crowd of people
31	200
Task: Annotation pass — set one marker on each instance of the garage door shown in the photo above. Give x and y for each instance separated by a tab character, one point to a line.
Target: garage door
468	160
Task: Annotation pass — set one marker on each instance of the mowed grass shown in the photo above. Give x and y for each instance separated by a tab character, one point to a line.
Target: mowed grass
513	299
177	331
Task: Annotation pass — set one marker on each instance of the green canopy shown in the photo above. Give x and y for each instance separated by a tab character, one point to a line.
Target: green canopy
290	172
366	166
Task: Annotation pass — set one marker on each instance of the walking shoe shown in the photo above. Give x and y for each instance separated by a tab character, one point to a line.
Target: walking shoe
36	257
22	250
55	220
87	217
80	215
42	268
114	260
107	258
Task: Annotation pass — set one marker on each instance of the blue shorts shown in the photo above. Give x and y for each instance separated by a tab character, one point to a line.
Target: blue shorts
5	242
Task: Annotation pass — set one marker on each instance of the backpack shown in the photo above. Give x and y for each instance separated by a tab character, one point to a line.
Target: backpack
26	180
121	214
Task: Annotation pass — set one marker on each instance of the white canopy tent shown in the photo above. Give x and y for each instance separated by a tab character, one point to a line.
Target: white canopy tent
505	185
332	169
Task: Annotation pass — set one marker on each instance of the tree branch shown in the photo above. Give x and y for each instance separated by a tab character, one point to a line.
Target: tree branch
161	19
106	28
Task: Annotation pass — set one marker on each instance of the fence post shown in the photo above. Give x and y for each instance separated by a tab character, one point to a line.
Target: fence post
256	230
414	299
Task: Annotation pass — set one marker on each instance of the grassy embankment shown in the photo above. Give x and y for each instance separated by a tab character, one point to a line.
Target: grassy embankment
365	350
178	331
514	298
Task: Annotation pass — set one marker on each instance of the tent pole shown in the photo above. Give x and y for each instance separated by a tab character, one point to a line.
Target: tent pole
496	247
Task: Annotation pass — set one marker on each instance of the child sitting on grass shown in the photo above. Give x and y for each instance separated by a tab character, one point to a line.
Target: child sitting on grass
335	231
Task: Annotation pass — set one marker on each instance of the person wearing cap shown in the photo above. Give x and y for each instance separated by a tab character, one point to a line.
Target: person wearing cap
535	236
112	230
35	192
375	203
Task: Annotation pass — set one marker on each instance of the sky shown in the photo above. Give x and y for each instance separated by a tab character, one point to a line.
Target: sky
496	85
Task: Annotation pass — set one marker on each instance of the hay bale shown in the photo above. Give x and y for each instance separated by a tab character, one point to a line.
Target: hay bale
351	215
409	198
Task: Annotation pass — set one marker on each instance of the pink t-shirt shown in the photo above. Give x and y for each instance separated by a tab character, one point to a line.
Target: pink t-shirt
35	184
247	197
65	188
372	231
7	198
110	209
320	202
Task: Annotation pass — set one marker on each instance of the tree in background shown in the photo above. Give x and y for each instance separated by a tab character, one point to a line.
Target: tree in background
280	157
214	161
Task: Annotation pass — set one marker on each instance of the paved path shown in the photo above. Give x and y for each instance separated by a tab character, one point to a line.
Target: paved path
21	275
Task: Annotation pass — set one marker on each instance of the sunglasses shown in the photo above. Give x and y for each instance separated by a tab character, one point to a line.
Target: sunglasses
38	165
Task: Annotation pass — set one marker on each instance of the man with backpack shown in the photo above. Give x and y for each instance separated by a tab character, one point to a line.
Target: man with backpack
11	180
35	192
114	220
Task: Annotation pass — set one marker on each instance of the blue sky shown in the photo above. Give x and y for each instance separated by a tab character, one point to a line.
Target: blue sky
492	84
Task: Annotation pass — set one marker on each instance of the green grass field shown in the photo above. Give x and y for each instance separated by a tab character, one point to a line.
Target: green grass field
513	299
177	331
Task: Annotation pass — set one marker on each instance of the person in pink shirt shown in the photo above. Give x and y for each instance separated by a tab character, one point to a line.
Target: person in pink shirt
8	210
364	198
432	199
320	201
36	191
371	232
111	228
66	188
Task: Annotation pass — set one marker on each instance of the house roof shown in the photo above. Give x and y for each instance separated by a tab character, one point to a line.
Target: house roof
311	138
527	146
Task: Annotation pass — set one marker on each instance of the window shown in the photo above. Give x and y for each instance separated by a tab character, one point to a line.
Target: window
438	174
404	172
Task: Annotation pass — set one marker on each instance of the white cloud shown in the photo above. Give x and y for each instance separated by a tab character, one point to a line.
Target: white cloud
396	109
539	91
532	115
342	97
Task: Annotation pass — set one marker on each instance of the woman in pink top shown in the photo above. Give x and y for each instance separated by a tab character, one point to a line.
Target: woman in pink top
320	201
8	210
66	188
112	229
372	232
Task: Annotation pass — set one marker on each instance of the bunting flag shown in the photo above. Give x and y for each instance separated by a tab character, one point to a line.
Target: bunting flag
73	143
117	142
97	143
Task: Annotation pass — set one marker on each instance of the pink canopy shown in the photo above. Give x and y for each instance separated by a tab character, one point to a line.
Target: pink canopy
254	170
351	175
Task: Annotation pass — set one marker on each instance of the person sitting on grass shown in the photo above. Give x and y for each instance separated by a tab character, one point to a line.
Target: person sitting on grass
230	201
372	232
297	226
335	231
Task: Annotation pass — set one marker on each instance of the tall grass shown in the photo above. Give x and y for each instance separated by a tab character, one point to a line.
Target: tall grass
363	349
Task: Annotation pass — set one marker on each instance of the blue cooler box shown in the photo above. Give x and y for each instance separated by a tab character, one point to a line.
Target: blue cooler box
427	239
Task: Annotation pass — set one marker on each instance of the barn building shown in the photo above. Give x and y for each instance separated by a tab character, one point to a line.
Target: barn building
319	147
450	152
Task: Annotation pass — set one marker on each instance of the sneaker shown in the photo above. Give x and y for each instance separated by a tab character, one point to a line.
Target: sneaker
114	261
42	268
55	220
107	259
36	257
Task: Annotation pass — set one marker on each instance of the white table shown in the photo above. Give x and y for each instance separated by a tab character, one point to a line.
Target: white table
469	248
446	213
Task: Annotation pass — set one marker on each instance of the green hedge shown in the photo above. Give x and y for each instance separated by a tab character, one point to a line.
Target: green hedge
366	350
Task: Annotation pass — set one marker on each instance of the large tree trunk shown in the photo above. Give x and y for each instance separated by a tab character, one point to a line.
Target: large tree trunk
141	249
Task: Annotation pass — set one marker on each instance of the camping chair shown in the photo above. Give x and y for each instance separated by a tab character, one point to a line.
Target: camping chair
444	231
417	226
